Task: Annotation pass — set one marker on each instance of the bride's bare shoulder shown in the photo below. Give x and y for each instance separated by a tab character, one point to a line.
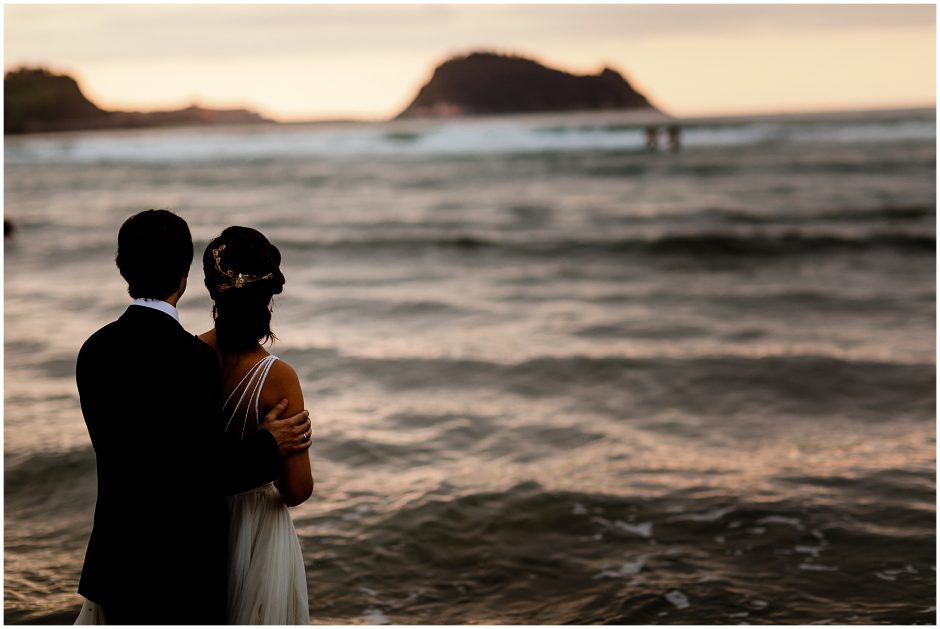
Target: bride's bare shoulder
282	370
283	382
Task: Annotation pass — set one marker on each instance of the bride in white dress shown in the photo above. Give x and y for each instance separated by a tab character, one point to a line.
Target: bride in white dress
267	580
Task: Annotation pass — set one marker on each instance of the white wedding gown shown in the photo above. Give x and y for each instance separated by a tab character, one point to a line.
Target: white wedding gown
267	584
90	614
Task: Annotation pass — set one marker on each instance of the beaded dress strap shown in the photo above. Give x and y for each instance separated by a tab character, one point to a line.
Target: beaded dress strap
253	382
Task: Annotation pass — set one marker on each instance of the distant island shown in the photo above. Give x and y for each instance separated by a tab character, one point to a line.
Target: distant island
490	83
37	100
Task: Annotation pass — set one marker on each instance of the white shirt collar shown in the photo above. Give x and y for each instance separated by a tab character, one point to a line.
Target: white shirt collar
156	304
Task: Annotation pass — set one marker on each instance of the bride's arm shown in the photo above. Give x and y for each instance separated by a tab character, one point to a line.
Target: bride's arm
296	481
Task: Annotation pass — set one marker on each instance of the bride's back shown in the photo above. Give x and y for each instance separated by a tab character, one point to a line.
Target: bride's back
243	385
243	273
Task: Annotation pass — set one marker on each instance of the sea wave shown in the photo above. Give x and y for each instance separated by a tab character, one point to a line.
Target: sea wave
898	214
811	386
574	557
27	473
743	240
530	553
703	244
473	137
717	364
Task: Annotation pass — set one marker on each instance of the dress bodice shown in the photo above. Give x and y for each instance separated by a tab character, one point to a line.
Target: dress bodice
248	392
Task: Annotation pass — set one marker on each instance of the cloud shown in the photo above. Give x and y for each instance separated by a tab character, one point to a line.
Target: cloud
97	33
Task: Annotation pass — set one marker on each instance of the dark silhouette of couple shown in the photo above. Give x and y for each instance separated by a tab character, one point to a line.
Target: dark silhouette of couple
201	442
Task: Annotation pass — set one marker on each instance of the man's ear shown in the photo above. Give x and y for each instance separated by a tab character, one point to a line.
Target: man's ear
182	287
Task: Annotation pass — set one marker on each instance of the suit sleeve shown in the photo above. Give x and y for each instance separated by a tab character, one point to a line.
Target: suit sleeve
248	463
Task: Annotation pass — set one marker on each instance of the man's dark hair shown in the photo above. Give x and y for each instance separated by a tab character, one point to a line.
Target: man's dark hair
155	250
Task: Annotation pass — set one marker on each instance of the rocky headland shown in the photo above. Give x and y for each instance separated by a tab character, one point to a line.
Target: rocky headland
490	83
480	83
37	100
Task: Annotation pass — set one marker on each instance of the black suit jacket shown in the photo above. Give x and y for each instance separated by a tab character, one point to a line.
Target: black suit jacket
151	397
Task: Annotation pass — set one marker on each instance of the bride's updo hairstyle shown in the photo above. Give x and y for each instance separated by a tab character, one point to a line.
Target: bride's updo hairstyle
242	274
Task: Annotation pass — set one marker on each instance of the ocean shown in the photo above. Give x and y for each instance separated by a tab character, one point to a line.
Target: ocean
554	377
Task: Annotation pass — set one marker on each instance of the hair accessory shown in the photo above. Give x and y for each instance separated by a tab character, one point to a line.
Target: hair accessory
238	279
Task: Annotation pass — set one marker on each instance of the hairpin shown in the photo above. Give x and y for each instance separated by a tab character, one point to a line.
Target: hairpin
238	279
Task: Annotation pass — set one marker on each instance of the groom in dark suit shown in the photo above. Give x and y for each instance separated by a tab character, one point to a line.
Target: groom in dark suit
151	397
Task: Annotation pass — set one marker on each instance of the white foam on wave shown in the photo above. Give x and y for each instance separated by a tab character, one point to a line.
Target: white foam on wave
359	141
602	521
779	519
429	139
818	567
628	569
376	617
677	598
633	567
643	529
707	516
809	550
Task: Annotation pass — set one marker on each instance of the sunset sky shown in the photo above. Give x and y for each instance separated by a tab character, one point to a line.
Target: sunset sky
295	62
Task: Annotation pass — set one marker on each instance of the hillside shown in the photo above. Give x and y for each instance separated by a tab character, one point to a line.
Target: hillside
37	100
489	83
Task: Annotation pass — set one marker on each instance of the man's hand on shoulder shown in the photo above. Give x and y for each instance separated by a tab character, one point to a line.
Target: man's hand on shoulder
291	433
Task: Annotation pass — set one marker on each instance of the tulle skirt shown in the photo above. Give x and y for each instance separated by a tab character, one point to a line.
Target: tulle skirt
267	582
